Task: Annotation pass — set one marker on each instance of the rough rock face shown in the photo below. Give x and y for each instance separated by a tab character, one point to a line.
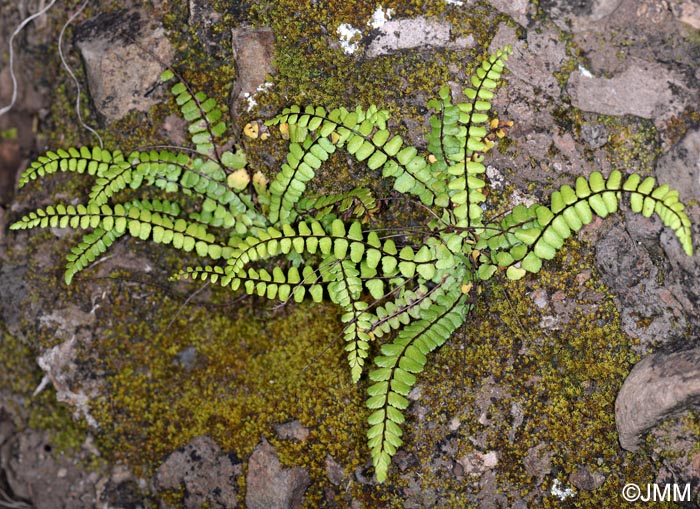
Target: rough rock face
205	473
124	54
645	89
253	52
269	485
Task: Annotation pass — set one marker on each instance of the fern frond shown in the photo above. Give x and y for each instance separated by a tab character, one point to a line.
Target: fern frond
88	249
93	161
355	203
457	140
572	208
407	306
365	136
396	369
357	336
204	116
288	185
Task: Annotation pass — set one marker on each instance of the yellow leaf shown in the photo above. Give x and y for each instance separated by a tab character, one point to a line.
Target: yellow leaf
252	130
238	180
466	288
284	130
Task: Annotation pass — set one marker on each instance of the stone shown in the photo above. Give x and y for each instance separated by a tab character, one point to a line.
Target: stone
660	385
538	462
680	168
580	15
626	266
292	430
34	474
595	134
419	32
269	485
586	480
253	52
644	89
687	12
516	9
476	463
124	53
207	474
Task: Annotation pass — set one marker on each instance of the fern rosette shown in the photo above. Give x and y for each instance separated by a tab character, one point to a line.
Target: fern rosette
277	242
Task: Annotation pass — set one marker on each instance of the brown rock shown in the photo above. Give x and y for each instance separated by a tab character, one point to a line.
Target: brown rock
659	386
269	485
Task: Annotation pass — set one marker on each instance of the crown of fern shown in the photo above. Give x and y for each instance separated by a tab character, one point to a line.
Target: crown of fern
274	241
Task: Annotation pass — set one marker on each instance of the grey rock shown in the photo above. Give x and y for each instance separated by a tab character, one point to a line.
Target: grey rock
580	15
516	9
645	89
680	168
124	54
595	134
206	474
334	471
269	485
419	32
12	298
534	61
72	386
660	385
649	310
35	475
687	11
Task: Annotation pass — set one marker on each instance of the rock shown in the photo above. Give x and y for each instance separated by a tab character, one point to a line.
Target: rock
675	446
419	32
477	463
538	462
269	485
205	473
645	89
595	134
124	54
649	310
34	474
292	430
688	12
516	9
253	52
580	15
660	385
680	168
334	471
585	479
12	298
72	386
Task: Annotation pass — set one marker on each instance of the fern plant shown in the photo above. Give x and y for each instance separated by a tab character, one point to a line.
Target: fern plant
275	242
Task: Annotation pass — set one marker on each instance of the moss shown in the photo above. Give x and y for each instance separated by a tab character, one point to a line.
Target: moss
19	378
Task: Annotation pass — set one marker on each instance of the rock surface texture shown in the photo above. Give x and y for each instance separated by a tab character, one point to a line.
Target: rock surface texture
660	385
124	54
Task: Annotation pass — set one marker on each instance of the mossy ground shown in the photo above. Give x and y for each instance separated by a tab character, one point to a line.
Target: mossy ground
255	366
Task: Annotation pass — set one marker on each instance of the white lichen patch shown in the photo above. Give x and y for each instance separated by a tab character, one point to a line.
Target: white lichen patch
250	98
561	492
350	36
